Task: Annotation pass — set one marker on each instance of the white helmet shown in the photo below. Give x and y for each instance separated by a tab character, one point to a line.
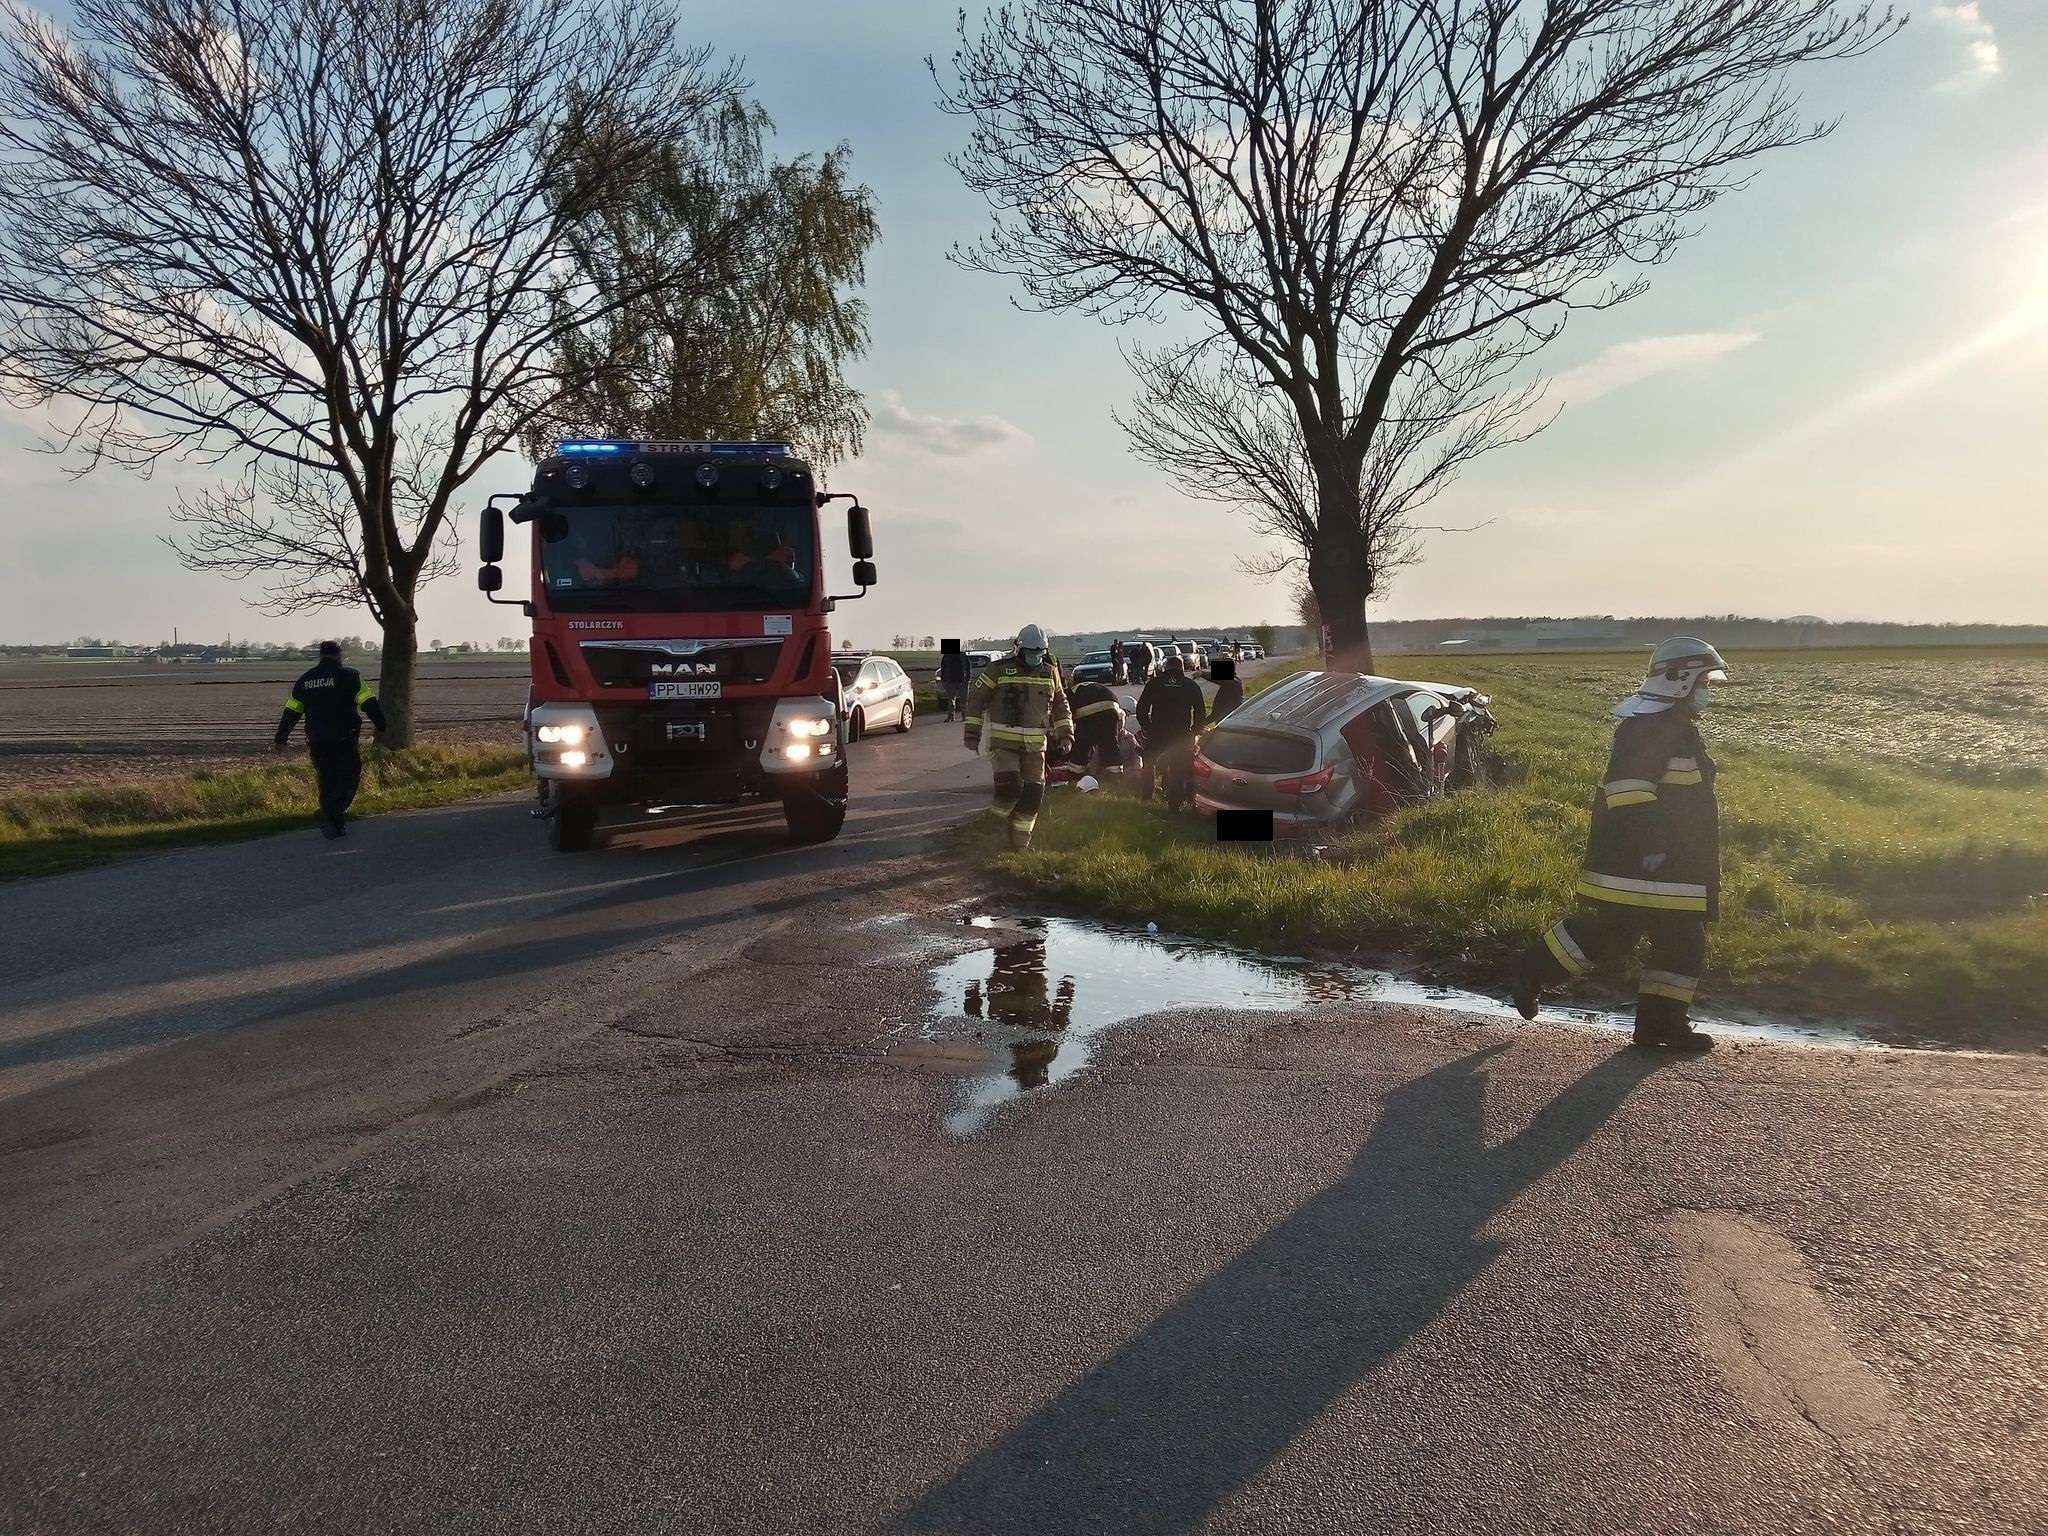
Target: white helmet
1676	669
1031	644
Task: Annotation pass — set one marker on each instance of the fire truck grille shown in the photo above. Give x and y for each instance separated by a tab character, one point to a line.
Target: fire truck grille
614	665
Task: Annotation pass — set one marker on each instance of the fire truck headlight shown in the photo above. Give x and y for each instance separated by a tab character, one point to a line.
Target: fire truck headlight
796	749
574	759
815	727
563	733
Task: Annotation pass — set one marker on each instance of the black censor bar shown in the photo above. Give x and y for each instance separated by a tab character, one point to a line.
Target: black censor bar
1244	826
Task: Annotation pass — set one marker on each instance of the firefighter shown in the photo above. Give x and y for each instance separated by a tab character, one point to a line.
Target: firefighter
1098	729
330	697
1653	862
1119	672
1170	713
1026	713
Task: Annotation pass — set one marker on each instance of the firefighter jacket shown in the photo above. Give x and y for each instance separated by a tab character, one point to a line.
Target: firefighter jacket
1170	709
329	698
1097	714
1656	840
1019	706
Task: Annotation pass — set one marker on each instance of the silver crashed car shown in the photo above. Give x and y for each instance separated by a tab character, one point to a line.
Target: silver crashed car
1326	749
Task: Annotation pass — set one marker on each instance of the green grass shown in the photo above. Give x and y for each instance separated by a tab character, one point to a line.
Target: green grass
48	830
1885	829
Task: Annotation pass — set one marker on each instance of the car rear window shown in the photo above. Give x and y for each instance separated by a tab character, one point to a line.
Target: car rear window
1259	751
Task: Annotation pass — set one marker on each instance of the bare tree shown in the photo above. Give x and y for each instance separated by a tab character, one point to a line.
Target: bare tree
323	239
1361	219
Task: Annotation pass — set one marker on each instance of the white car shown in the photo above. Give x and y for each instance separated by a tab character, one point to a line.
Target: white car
874	690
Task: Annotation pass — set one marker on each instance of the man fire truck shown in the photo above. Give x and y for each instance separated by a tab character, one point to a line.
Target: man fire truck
681	649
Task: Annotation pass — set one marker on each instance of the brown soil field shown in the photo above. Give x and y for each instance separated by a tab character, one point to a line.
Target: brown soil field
76	722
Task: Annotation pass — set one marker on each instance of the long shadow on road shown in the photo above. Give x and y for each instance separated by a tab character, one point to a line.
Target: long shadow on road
1164	1431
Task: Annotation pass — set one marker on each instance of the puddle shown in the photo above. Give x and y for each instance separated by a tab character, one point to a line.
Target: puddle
1026	1013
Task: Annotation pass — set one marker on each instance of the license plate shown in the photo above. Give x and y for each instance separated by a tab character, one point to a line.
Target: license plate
685	690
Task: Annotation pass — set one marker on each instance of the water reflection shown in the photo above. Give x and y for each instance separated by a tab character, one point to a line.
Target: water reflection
1025	1013
1048	988
1019	993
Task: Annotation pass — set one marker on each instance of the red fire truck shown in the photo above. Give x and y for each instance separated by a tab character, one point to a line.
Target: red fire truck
681	653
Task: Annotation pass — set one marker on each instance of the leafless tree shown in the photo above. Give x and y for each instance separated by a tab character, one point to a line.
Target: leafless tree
322	240
1360	220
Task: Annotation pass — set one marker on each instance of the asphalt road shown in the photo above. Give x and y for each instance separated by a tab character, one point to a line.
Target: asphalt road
434	1182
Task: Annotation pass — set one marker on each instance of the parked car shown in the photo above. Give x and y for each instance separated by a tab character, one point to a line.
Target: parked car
1326	750
1094	667
873	690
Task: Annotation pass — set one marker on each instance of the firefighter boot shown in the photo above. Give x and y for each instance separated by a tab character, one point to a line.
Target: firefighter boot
1528	994
1661	1026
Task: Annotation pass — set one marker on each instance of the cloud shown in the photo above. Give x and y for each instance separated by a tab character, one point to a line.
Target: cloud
1630	362
946	436
1980	42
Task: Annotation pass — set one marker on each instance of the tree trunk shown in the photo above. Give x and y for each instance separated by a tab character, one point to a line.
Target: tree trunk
1340	574
395	679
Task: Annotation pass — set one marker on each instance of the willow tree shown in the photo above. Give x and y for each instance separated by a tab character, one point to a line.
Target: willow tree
757	311
327	241
1361	219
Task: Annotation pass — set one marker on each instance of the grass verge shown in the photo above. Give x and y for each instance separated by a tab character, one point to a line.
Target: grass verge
1877	867
45	831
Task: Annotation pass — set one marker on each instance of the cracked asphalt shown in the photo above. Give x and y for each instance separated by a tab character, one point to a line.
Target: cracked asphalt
435	1182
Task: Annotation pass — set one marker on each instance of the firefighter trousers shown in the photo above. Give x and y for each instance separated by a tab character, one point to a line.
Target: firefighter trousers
1601	931
338	765
1020	786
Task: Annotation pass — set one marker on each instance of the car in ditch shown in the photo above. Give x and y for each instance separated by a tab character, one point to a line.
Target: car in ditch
1325	751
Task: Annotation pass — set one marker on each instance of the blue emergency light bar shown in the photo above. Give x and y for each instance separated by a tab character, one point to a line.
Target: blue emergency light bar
619	445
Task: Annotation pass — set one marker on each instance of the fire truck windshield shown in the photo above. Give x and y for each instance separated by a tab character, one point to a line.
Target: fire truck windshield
655	558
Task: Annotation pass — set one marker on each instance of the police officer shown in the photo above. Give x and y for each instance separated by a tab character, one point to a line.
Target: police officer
1170	712
1653	862
952	676
1024	706
1098	727
329	697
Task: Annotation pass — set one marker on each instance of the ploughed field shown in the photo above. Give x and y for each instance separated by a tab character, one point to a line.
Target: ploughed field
66	723
1884	820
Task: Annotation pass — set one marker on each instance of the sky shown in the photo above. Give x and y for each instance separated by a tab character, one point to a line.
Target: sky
1833	400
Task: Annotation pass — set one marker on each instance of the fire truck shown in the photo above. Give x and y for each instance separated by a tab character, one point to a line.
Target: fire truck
681	652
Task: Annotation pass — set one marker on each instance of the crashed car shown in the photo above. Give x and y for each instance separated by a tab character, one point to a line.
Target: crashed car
1327	750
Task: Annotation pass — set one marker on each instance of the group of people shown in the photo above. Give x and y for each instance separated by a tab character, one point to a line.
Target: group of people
1652	866
1033	718
1653	861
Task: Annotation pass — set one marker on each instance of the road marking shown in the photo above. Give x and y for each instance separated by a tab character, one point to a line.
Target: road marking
1764	1325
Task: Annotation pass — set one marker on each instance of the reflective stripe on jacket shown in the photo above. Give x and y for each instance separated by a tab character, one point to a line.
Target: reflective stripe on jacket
1019	705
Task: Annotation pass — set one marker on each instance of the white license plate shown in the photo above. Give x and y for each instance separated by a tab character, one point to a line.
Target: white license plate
685	690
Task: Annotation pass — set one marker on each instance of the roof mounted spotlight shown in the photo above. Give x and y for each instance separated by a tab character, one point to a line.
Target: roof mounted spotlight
771	479
576	476
707	475
642	475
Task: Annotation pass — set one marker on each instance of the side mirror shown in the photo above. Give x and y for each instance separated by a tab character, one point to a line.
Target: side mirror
489	578
860	535
490	537
864	572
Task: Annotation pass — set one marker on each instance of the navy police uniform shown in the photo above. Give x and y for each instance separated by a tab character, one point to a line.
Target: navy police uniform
332	699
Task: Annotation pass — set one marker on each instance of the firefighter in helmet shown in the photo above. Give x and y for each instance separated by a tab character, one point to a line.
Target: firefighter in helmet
1653	862
1022	704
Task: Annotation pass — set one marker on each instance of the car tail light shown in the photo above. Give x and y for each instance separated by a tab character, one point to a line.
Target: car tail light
1202	767
1306	784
